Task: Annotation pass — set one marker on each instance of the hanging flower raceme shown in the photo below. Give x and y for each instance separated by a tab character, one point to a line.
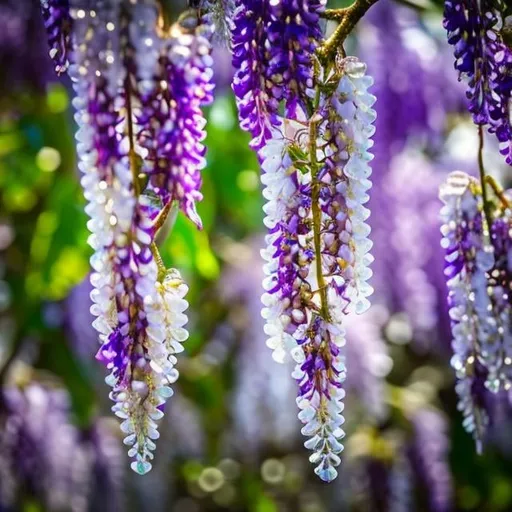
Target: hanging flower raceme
250	60
129	80
316	180
219	14
57	21
293	34
172	122
476	28
479	304
273	43
500	279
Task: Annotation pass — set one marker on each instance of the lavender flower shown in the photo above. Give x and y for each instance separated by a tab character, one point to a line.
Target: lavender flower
261	390
315	210
430	457
172	122
416	94
139	95
475	333
411	234
47	457
368	359
269	67
57	21
481	56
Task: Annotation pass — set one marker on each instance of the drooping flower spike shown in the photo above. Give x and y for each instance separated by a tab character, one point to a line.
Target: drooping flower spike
317	259
480	308
273	46
57	21
475	29
140	89
128	76
171	120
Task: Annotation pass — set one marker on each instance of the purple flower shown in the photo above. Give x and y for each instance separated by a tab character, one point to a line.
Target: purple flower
57	21
317	253
476	335
119	60
474	29
43	455
257	112
172	122
273	45
430	452
293	34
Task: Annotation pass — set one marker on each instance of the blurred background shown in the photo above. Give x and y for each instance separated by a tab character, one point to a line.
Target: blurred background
230	437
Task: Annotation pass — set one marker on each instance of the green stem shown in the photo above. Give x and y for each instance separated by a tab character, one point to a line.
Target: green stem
483	180
498	192
162	269
317	214
131	154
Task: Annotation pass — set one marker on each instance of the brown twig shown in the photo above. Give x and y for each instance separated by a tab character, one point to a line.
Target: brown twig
348	18
498	192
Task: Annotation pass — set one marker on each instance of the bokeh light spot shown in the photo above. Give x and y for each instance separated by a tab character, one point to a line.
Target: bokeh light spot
48	159
57	99
211	479
248	180
273	471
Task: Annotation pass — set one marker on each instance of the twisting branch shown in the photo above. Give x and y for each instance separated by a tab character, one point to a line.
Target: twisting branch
498	192
348	18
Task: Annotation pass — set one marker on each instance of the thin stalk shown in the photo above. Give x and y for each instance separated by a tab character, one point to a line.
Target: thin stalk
498	192
162	216
483	181
317	214
162	270
348	18
132	154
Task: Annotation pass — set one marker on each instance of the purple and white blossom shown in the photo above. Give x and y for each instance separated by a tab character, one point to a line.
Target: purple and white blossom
317	254
345	183
57	21
257	113
171	119
476	337
125	72
273	46
485	60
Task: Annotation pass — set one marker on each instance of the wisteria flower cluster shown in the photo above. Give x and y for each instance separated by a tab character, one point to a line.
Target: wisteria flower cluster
43	454
140	87
141	83
478	277
476	29
315	170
